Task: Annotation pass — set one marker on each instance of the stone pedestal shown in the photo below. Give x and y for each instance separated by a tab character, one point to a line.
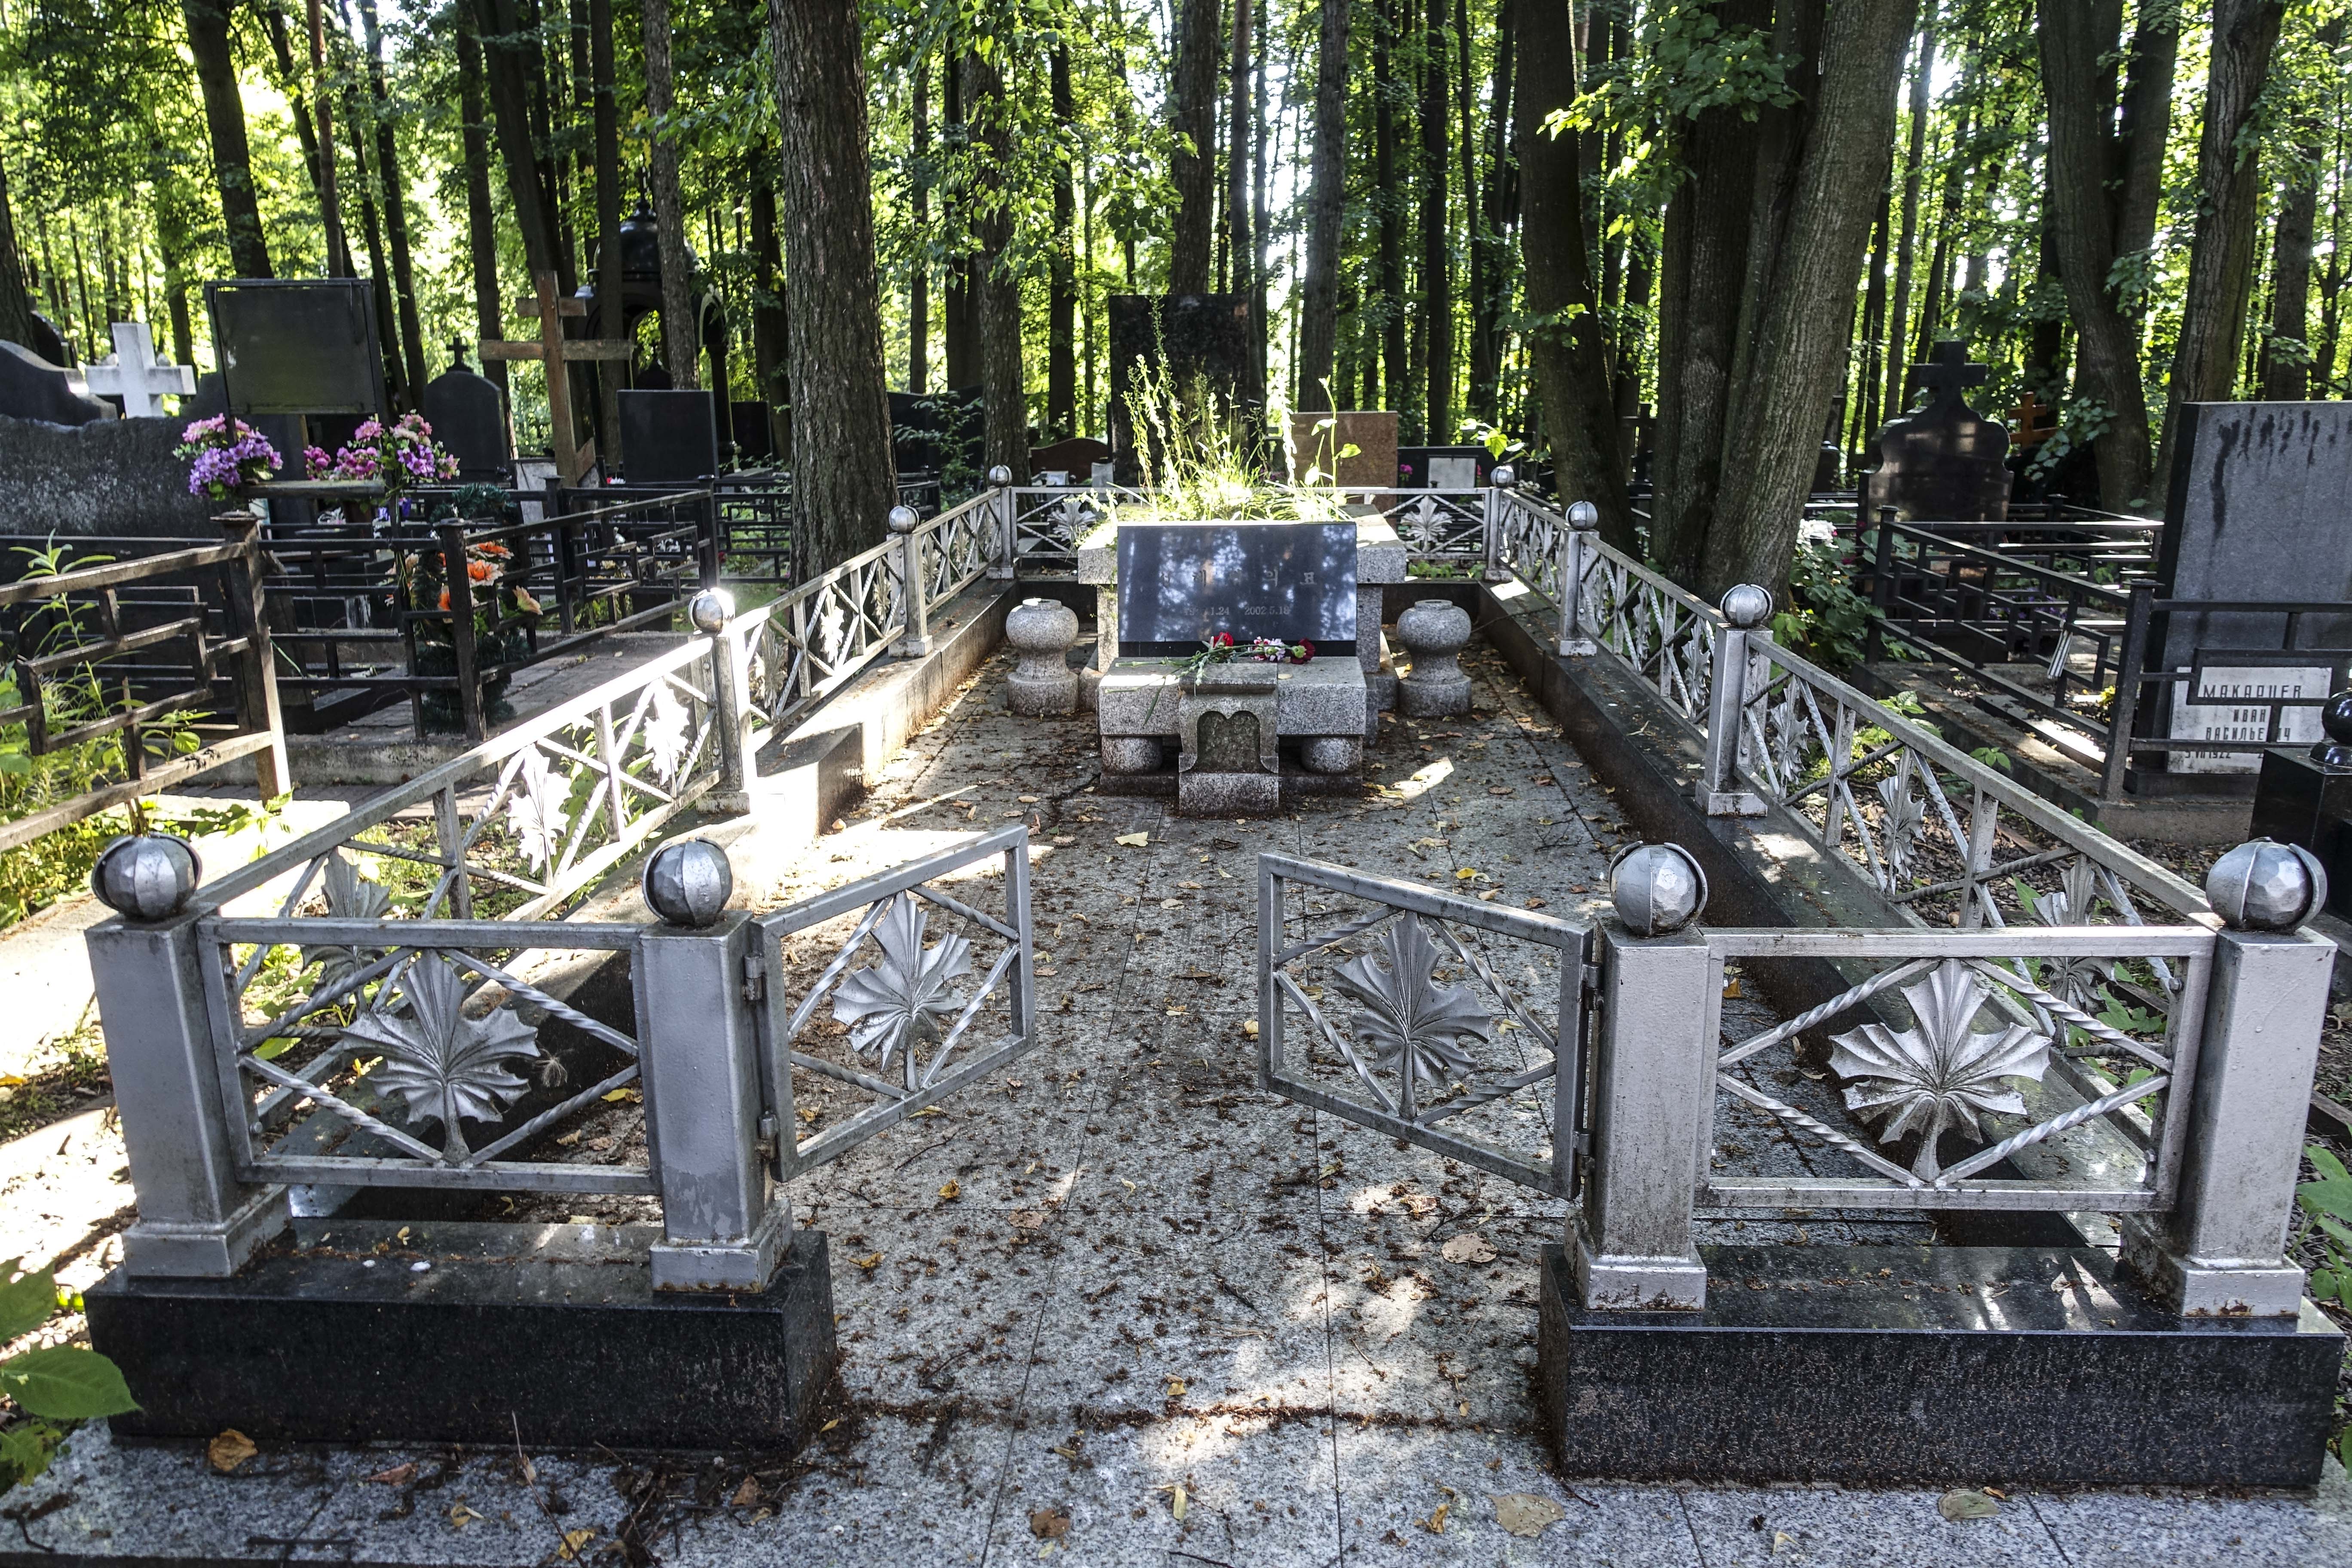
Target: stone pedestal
465	1333
1043	685
1891	1365
1146	710
1227	764
1434	631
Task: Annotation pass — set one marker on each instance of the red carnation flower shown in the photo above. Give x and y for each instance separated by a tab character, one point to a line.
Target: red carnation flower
1302	652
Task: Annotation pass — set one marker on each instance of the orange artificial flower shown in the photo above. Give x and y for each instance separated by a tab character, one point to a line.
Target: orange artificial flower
479	570
445	598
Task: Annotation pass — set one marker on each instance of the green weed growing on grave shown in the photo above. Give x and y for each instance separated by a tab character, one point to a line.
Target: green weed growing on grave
1826	620
49	1385
2326	1205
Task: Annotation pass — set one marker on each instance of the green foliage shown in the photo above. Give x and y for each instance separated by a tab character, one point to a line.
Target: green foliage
47	1385
2326	1205
1826	620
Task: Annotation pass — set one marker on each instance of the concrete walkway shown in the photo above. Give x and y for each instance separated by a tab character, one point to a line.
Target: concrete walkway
1117	1306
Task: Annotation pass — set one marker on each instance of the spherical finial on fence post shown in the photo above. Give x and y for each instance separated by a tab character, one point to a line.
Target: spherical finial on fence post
1745	605
689	883
1503	476
904	519
710	610
1000	476
146	876
1583	514
2264	886
2336	718
1656	889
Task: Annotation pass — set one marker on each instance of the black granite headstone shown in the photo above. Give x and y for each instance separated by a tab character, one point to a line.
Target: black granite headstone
33	388
933	431
668	437
468	416
1181	584
755	430
1945	462
1201	341
2306	798
297	346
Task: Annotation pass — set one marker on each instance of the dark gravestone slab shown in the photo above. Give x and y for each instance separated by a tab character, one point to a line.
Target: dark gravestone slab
32	387
668	437
2299	799
297	347
1945	463
755	431
929	431
108	477
1201	341
1075	457
468	416
1181	584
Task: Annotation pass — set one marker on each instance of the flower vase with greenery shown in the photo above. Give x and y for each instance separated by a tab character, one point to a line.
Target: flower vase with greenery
225	454
504	612
399	456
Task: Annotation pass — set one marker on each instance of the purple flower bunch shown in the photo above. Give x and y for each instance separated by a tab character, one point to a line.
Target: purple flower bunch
224	455
400	455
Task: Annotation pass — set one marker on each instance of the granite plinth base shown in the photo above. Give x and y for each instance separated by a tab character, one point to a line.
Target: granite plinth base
1296	785
1931	1365
536	1328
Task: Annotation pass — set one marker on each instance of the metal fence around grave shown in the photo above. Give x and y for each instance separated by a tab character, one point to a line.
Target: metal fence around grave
134	670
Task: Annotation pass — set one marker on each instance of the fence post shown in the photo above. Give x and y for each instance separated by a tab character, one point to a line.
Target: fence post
256	672
1653	1090
711	613
459	586
2222	1249
725	1220
2123	714
1746	609
195	1217
1579	545
1498	484
1882	586
1007	506
916	640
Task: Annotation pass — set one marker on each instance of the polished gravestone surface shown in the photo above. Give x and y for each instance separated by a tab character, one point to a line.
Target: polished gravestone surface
1181	584
1199	340
297	347
668	437
1945	462
468	416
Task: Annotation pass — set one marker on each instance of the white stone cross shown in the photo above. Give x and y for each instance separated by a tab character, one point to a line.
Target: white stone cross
134	376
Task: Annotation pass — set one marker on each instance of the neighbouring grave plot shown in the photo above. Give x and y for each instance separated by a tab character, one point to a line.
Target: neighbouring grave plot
1945	461
1446	1021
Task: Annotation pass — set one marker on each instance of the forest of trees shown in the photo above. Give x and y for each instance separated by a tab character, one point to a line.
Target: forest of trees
1535	216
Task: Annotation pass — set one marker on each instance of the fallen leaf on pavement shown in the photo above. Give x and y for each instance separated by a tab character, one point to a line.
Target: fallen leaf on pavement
1176	1502
1961	1503
952	1191
1028	1220
1026	799
461	1516
1525	1514
1533	903
748	1494
1050	1524
398	1476
573	1539
1175	1388
229	1450
1249	1028
1468	1247
868	1261
1137	840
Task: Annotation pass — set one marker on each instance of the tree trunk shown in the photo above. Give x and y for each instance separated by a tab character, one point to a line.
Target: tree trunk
2222	253
209	46
481	219
1915	163
16	292
1260	329
273	23
1436	246
1388	205
843	482
2077	38
2285	372
1492	275
1774	437
1006	432
677	313
611	319
1192	114
1564	336
372	231
395	208
1061	290
1237	181
1704	249
770	324
503	50
919	283
1326	193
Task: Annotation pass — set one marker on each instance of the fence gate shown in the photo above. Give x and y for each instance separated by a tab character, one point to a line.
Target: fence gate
927	991
1448	1021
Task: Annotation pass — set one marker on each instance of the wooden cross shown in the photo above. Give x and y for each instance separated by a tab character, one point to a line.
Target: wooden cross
2035	422
135	375
553	349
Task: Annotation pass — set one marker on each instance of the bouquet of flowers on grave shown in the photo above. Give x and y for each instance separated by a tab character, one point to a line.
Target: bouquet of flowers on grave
1222	650
225	454
498	596
399	455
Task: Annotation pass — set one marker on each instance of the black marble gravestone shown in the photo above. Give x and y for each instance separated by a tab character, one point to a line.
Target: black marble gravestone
755	433
1181	584
1201	341
668	437
931	431
32	387
2306	798
297	346
468	416
1945	463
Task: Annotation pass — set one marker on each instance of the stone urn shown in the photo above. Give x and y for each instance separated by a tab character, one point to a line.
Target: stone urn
1040	631
1434	631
